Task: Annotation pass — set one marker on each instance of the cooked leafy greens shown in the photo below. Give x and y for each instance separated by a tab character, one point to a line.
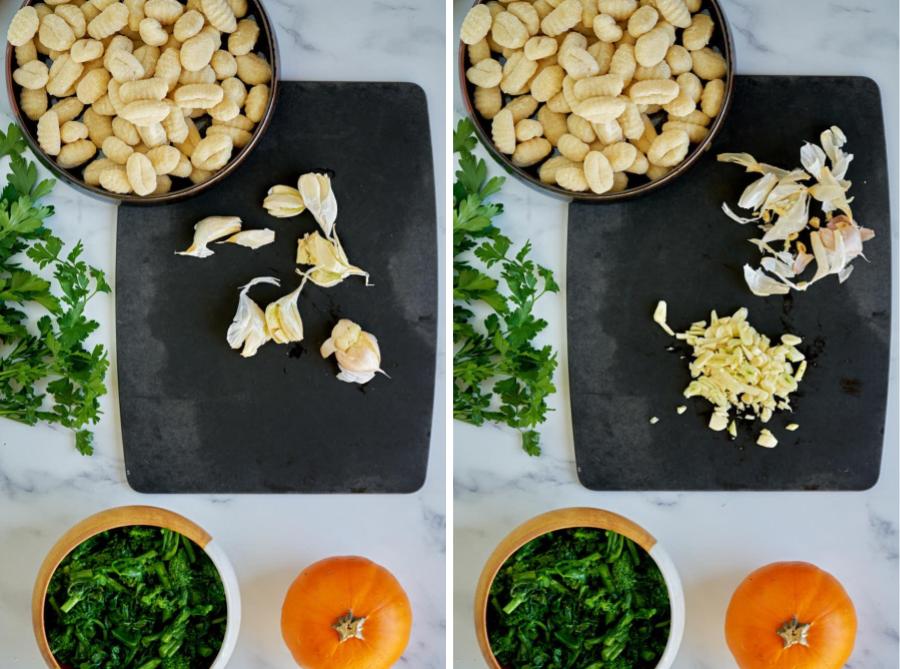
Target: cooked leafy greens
46	372
499	375
136	598
582	598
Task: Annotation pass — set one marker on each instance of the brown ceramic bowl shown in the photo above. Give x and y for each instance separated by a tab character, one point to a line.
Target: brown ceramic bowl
126	516
266	45
573	518
721	40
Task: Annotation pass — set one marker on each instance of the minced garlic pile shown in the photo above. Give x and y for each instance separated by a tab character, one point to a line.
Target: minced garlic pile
740	371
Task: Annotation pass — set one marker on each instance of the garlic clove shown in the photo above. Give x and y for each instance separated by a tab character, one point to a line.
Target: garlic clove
356	351
252	239
283	318
284	202
209	230
248	328
328	258
318	196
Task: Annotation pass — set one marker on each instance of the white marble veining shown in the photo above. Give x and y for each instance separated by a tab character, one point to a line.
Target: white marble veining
715	539
45	486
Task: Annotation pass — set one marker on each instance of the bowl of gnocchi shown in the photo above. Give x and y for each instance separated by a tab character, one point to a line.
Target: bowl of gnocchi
142	101
596	100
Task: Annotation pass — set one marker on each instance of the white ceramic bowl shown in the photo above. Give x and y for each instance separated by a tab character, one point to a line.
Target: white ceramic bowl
581	517
125	516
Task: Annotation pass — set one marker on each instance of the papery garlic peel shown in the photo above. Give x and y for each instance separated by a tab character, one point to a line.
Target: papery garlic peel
318	196
248	328
209	230
252	239
328	258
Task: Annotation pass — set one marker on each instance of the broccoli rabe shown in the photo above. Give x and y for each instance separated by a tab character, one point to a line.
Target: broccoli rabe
136	598
580	599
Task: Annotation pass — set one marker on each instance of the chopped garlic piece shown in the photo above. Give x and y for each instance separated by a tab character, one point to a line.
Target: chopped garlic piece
732	429
318	196
659	317
328	258
209	230
283	318
284	202
680	409
248	328
719	420
654	420
791	427
252	239
356	351
767	439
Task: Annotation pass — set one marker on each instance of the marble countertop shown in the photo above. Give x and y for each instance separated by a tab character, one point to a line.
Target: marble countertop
45	486
715	539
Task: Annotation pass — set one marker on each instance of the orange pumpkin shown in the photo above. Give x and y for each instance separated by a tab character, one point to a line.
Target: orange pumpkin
790	615
346	613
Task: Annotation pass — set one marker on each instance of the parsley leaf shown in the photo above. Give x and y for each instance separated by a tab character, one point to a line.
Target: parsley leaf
499	374
49	353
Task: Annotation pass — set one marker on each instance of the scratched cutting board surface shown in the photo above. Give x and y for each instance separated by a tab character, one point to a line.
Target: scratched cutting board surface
196	416
677	245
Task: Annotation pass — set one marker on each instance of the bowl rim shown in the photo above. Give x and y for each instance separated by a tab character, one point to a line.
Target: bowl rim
266	31
561	193
571	517
126	516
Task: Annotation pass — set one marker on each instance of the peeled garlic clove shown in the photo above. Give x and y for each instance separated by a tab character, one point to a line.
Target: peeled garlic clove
252	239
315	189
283	318
329	261
284	202
209	230
248	329
356	351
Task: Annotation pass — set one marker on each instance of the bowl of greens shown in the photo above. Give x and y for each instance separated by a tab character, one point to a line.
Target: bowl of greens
580	588
136	587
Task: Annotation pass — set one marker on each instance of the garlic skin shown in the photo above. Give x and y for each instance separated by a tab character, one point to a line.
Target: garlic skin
780	205
209	230
248	328
318	196
252	239
284	202
328	258
283	318
357	353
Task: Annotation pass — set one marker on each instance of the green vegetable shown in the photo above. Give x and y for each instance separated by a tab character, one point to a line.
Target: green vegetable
49	353
136	598
499	375
581	599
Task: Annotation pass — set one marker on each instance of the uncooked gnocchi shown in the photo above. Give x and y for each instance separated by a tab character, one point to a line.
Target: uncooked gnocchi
24	26
475	26
585	93
147	91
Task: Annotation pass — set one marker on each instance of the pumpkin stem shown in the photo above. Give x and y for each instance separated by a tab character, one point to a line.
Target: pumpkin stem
349	627
794	632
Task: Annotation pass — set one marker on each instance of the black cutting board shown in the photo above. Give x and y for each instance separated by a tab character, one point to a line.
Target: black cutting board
196	416
677	245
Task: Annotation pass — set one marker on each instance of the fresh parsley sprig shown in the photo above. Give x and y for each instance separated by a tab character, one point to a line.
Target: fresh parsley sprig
46	372
499	374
